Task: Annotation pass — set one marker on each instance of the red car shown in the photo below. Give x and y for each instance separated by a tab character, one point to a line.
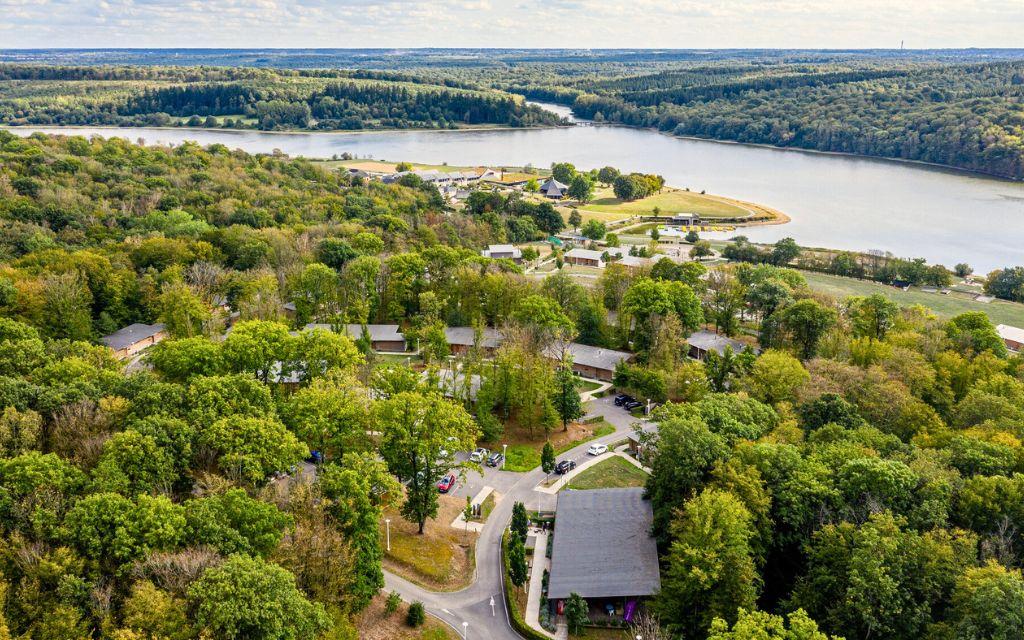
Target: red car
445	484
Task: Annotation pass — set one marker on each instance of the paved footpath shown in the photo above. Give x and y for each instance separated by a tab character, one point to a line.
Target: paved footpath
472	604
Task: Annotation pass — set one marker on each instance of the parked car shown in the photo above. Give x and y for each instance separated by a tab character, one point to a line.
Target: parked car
495	460
634	404
565	466
445	484
622	399
597	449
315	457
479	455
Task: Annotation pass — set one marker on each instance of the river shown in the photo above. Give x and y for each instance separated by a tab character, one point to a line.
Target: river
834	201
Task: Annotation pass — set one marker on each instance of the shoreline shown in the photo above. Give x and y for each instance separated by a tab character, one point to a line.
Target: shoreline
296	132
923	164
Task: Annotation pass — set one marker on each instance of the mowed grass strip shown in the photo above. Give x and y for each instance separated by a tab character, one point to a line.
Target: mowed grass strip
526	456
612	473
669	201
944	306
440	559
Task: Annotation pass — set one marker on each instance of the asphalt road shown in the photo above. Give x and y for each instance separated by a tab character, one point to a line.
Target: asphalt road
472	604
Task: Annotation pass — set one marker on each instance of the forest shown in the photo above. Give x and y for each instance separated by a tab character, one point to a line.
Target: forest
858	475
958	108
969	116
250	99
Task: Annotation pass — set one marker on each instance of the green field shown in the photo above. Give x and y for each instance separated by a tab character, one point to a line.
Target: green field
526	457
669	201
999	311
609	474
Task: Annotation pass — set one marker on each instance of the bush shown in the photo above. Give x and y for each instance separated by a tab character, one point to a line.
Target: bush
391	604
416	616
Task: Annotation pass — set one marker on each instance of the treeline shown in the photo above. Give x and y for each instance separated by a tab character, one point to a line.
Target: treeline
251	98
964	116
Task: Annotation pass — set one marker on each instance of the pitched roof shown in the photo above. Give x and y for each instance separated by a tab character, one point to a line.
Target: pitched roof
378	332
632	261
586	254
1006	332
132	334
710	341
449	382
491	338
509	249
603	547
588	356
552	187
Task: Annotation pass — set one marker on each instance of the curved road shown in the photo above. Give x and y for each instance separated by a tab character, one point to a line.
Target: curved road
472	604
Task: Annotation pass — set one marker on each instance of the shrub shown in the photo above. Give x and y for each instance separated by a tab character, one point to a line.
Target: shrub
391	604
416	616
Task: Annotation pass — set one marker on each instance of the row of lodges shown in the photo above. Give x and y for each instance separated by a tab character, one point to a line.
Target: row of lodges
443	178
588	361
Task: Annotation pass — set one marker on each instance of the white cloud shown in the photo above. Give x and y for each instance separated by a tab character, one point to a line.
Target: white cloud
527	23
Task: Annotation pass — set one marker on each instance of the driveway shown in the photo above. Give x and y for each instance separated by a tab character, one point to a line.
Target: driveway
472	604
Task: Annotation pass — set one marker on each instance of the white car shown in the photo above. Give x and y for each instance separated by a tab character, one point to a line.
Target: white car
479	455
597	449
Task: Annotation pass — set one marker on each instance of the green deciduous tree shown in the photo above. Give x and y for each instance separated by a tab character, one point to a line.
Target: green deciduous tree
988	604
758	625
250	449
419	435
356	495
807	322
775	377
250	599
134	463
566	396
710	569
232	522
872	316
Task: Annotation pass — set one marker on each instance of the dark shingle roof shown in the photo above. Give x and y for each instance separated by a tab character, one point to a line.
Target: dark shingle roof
588	356
603	547
491	338
133	333
378	332
709	341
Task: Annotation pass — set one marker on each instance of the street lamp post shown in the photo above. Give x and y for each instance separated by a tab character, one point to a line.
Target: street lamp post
504	449
387	526
465	630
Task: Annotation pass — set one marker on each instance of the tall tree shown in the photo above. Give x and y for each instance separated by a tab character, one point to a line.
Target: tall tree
710	569
420	434
566	396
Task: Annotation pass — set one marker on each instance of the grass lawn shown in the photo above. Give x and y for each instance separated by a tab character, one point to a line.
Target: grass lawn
669	201
589	385
385	359
440	559
374	623
999	311
609	474
526	456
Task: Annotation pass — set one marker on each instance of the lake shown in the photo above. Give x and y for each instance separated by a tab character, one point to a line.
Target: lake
834	201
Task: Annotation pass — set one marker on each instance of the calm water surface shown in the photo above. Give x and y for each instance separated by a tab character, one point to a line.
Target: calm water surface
834	201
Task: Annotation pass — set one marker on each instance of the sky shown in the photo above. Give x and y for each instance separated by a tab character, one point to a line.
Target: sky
681	24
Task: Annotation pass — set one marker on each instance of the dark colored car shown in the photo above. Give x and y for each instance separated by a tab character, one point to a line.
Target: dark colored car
445	484
565	466
495	460
622	399
632	404
315	457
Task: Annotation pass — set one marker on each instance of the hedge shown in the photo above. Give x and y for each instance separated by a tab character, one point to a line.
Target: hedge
515	618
